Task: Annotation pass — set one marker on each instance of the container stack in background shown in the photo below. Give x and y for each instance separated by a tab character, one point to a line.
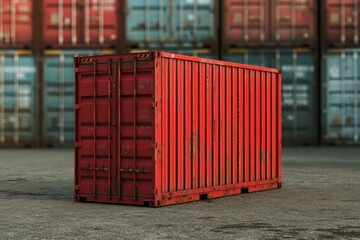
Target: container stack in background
281	34
315	43
185	27
340	93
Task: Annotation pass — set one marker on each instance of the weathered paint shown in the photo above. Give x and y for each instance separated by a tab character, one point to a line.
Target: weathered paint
299	108
159	128
17	99
341	97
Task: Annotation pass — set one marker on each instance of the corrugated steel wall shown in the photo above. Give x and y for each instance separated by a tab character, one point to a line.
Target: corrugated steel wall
205	28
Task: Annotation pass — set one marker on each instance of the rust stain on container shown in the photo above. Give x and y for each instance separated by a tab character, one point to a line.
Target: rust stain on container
186	129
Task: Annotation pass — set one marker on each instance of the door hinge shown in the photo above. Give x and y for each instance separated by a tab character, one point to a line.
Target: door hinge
77	106
154	104
77	144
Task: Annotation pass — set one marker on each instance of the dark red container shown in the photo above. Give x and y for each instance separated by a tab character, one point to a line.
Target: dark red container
74	23
158	128
341	23
287	23
294	22
15	23
245	22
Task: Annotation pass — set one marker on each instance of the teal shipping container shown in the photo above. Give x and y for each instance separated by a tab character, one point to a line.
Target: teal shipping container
17	99
175	23
299	113
341	97
58	95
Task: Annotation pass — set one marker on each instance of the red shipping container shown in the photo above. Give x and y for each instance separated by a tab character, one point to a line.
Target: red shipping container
15	23
245	22
294	22
342	22
158	128
79	23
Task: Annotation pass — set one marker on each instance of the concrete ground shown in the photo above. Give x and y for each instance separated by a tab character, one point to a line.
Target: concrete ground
320	198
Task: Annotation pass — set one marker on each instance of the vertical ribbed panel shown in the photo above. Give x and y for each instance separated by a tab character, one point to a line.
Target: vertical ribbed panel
220	124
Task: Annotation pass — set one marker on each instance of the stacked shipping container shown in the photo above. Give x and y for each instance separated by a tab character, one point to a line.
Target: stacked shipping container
15	23
340	72
17	98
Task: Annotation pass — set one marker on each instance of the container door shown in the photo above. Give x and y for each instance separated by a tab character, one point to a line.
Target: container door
95	128
136	128
293	21
115	130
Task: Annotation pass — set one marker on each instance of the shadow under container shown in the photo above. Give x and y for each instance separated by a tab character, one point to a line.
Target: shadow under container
158	128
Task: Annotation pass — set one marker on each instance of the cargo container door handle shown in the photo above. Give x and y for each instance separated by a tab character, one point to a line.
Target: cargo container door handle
134	95
94	128
118	145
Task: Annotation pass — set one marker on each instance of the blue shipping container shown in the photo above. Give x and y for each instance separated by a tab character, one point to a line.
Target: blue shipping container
299	118
172	23
17	98
341	97
58	95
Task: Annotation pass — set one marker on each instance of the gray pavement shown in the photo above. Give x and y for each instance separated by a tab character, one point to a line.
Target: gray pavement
320	198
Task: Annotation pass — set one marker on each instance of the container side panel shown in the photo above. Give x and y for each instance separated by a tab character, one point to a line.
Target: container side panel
222	112
180	125
234	122
216	127
202	125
